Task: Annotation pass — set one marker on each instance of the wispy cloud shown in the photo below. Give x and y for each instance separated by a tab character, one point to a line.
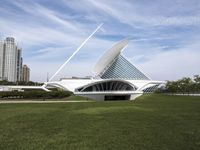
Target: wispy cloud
125	12
38	10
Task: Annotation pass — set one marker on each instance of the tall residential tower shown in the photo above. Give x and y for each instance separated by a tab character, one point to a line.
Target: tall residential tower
2	60
10	60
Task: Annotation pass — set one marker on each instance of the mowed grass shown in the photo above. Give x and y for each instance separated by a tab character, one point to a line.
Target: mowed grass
152	122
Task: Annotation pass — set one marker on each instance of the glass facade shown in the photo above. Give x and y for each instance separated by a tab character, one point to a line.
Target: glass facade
121	68
151	89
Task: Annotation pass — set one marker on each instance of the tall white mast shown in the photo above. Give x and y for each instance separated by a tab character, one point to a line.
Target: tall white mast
63	65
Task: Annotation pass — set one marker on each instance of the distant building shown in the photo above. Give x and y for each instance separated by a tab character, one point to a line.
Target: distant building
26	73
10	60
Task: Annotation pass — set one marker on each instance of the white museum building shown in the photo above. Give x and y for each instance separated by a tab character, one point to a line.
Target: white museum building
116	78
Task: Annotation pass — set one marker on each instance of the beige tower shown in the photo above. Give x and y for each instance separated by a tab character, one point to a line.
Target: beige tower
26	73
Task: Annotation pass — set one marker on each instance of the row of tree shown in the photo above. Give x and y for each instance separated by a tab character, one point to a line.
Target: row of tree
5	82
34	94
184	86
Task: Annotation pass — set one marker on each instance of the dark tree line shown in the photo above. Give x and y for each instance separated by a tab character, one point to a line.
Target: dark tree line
185	85
31	94
5	82
34	94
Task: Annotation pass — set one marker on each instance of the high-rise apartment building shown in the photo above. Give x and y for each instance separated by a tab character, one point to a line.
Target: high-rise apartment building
10	53
10	60
1	59
26	73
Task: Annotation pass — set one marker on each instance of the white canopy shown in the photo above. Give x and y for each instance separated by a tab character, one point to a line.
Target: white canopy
108	57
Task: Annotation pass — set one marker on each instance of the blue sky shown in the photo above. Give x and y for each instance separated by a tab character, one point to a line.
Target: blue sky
164	34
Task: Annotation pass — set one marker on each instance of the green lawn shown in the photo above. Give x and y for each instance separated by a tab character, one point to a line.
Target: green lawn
152	122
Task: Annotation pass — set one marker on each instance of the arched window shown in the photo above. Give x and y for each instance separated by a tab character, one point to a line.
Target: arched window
107	86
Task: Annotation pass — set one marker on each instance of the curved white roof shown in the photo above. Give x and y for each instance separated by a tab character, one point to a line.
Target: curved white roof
109	56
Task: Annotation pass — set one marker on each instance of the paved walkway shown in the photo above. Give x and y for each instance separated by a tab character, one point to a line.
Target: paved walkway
184	94
17	101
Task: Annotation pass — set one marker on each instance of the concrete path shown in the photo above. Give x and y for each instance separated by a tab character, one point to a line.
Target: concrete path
17	101
185	94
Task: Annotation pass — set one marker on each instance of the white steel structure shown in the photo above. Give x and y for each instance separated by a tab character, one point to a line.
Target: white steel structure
116	78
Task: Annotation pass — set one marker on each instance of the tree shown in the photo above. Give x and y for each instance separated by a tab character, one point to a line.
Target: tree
197	83
185	85
171	87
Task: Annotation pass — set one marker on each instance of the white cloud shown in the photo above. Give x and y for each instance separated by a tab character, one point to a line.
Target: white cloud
175	64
